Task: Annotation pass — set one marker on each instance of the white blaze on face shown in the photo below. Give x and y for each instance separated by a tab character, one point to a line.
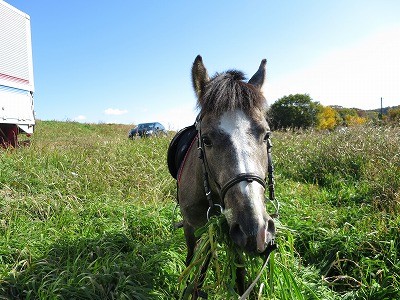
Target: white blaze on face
238	126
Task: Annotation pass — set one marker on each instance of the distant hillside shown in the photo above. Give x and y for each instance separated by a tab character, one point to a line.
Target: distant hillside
384	109
376	110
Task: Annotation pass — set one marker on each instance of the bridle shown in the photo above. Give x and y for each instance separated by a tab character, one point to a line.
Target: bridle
218	208
248	177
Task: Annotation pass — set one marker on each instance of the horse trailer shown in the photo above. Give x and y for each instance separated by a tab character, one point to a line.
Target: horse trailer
16	75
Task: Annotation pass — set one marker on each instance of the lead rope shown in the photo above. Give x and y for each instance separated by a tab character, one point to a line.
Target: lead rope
253	284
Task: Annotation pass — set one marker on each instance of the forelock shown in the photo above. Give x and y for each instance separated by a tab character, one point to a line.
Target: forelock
228	91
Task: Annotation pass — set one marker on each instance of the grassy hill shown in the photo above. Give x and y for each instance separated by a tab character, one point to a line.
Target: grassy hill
86	213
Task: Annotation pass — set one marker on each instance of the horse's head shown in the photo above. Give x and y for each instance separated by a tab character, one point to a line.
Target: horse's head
234	133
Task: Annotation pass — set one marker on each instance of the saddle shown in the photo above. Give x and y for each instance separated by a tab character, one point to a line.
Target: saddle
178	148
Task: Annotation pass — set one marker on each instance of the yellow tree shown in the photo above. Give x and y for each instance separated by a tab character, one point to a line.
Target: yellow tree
354	120
327	118
393	116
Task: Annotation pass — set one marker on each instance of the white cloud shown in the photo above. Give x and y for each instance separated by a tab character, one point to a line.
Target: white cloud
115	111
80	118
356	76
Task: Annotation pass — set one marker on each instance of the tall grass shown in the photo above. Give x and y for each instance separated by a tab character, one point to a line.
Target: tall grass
285	278
345	207
86	213
362	164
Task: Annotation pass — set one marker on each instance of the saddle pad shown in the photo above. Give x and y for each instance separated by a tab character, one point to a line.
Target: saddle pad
178	147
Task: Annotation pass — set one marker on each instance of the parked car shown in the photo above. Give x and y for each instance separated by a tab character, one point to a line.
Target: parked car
147	130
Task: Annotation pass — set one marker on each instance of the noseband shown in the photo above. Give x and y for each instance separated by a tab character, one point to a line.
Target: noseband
248	177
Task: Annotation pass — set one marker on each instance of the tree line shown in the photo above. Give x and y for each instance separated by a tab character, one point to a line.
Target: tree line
300	111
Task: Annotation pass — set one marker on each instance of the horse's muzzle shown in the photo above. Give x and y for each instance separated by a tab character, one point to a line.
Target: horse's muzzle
255	241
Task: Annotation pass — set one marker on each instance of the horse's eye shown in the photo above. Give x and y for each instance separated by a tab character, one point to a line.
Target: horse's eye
206	141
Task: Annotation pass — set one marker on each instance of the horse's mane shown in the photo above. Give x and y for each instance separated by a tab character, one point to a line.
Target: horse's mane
227	91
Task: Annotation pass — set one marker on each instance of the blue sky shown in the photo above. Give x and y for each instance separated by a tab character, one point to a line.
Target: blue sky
129	61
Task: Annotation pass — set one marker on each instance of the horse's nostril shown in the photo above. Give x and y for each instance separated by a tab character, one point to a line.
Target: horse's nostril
238	236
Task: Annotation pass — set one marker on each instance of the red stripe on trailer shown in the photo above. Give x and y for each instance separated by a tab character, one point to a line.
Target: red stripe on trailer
13	78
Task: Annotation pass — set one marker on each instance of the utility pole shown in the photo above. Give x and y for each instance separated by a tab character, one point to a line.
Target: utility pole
381	114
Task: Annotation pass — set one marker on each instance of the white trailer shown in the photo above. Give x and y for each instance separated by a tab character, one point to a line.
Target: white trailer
16	75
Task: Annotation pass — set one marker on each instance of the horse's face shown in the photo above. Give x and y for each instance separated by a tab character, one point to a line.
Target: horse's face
235	142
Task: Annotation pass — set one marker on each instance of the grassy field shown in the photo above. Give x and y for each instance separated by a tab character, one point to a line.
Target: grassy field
86	213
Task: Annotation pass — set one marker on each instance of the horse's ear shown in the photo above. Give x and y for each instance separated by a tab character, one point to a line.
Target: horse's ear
199	76
259	77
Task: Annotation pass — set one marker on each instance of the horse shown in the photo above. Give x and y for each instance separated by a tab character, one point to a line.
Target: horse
224	166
